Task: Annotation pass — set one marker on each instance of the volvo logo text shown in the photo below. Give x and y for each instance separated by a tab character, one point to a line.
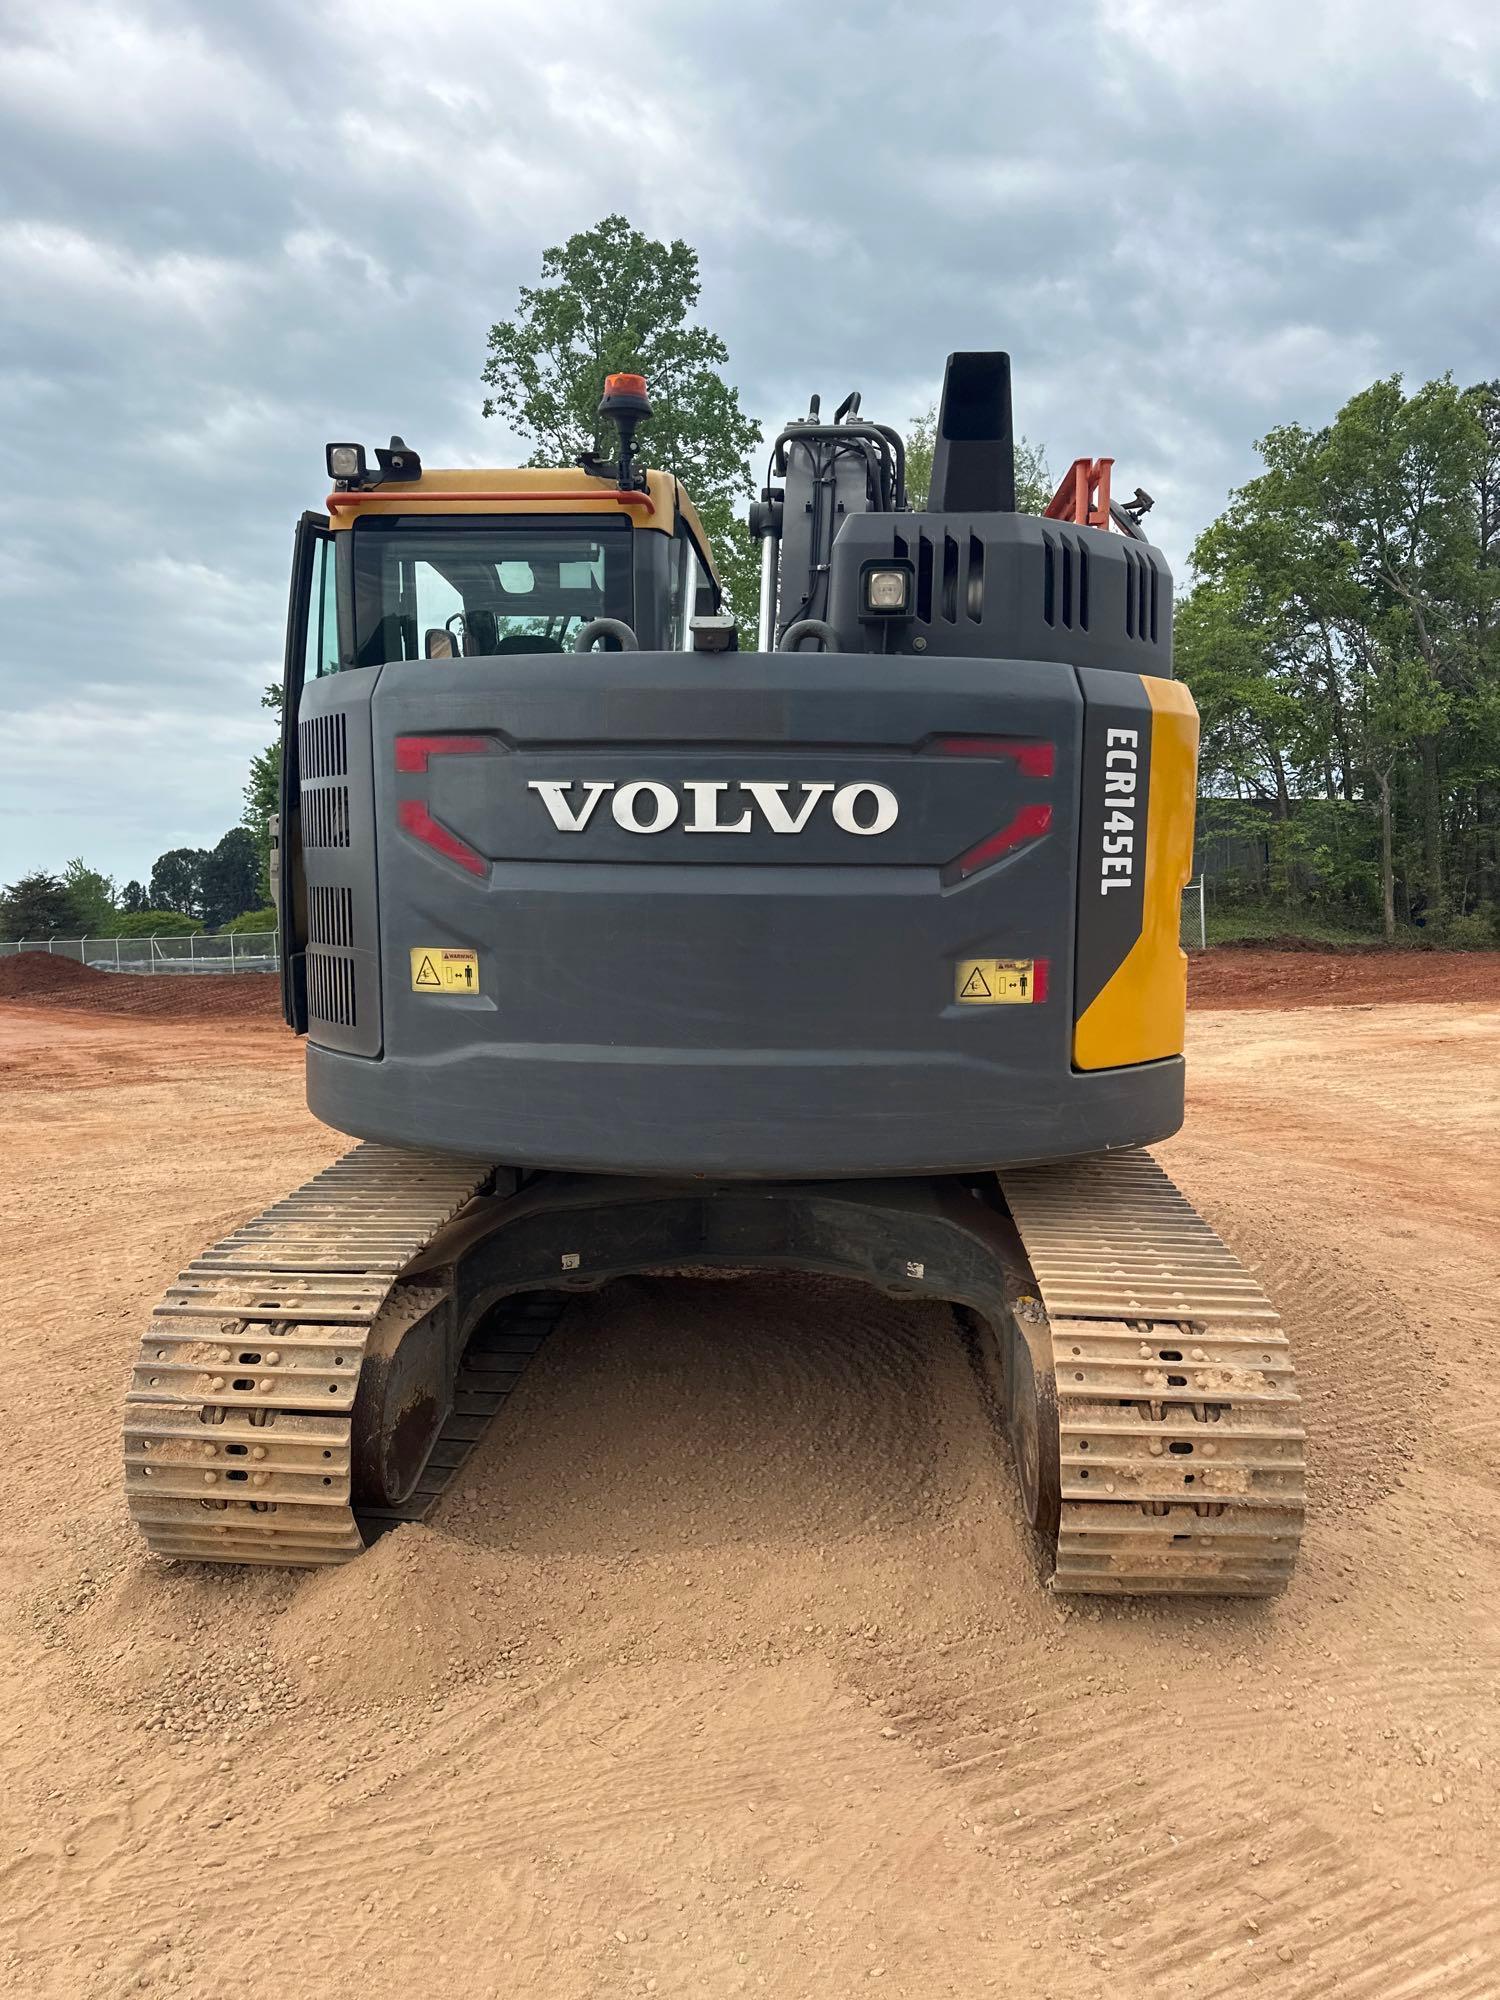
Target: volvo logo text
714	805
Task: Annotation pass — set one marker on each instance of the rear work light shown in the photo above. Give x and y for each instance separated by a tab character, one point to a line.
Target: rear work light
886	589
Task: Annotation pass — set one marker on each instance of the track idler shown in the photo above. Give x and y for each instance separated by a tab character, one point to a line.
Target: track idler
1031	1417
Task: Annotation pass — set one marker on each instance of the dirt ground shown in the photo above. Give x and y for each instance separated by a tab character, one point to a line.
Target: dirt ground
727	1671
1237	976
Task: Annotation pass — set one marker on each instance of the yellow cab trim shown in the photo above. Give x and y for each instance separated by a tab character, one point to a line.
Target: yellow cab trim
529	489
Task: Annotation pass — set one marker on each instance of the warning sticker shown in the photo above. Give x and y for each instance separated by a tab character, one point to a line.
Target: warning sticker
436	969
995	982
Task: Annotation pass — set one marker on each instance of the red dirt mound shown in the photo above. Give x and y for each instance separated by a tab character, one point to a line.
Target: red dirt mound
1223	978
47	980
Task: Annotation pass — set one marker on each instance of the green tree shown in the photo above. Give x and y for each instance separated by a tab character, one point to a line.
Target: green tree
93	895
613	300
38	906
263	798
230	878
1034	484
1340	638
1397	476
133	898
177	881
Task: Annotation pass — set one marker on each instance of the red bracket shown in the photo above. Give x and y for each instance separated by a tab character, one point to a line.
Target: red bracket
1083	495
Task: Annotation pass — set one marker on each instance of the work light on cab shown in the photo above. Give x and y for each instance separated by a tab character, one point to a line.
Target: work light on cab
345	461
348	466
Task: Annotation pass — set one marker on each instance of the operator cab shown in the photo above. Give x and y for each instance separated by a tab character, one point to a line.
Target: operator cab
457	565
411	564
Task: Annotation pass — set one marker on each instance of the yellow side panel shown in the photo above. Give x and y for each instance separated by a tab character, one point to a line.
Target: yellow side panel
1139	1016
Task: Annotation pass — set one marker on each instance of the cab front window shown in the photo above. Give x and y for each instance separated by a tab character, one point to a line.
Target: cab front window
439	590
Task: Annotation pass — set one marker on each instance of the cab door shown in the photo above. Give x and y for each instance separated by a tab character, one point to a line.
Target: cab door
311	649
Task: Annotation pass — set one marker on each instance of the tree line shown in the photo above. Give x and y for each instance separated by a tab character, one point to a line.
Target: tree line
190	889
1342	640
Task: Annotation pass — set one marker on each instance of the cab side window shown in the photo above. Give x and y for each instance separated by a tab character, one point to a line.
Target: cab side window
322	654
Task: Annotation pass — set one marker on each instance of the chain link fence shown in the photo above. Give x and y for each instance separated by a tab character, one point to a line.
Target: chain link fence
230	951
1194	920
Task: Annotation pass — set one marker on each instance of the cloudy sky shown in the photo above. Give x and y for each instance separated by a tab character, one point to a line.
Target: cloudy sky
230	232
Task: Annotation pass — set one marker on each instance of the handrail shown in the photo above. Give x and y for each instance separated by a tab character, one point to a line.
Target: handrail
337	503
605	628
809	628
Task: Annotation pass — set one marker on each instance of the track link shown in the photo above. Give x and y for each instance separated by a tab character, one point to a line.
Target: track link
1179	1468
239	1415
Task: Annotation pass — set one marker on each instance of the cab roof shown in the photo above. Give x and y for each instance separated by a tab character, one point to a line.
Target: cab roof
528	489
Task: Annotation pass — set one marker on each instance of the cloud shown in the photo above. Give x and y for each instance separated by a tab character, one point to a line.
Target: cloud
227	234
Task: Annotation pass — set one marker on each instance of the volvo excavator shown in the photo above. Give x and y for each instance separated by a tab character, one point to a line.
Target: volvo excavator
621	947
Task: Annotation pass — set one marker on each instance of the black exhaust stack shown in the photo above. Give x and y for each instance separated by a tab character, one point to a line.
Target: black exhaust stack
974	455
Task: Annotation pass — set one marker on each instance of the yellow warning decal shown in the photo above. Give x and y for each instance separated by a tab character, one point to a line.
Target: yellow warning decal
436	969
995	982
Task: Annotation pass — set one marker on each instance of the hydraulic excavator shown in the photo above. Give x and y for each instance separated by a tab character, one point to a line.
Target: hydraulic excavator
621	947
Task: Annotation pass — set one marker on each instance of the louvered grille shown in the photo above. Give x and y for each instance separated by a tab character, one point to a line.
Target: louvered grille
330	916
1142	590
1065	582
950	578
324	746
974	595
330	988
340	948
325	815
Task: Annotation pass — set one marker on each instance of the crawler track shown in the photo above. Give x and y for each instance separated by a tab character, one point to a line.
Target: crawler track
1178	1465
1152	1403
238	1423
